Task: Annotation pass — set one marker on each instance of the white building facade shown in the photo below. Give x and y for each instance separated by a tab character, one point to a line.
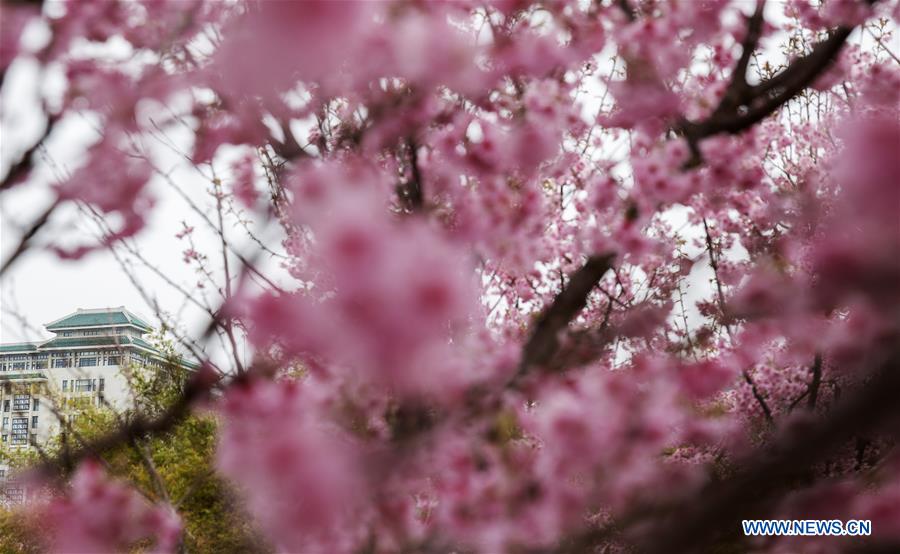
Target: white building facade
82	365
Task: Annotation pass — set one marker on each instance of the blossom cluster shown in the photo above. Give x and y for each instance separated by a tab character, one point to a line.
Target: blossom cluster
446	178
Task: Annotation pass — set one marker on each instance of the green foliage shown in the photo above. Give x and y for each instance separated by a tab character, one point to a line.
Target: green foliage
17	534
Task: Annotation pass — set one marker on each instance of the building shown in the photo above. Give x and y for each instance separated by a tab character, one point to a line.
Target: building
81	365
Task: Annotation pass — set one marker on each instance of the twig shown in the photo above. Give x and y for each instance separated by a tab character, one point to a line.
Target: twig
29	234
21	169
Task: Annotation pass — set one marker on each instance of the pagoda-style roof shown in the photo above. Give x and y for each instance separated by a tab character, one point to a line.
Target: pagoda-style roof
88	319
19	347
96	341
103	317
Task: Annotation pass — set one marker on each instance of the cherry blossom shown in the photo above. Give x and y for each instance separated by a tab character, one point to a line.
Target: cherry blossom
99	515
557	276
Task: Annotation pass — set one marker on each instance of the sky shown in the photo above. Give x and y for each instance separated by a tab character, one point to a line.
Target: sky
40	287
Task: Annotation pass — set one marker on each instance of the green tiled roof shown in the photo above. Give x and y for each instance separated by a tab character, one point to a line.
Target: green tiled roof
18	347
96	341
93	318
141	342
99	319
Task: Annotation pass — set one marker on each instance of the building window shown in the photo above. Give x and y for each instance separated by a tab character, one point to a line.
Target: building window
65	385
34	421
67	333
61	362
14	495
19	430
5	422
21	402
102	384
87	362
4	438
91	333
112	360
82	385
6	405
40	364
35	405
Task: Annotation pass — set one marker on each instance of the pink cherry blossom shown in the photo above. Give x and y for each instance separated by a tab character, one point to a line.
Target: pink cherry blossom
99	515
497	276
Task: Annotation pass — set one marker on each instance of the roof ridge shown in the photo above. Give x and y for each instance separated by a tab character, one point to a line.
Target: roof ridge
109	309
100	317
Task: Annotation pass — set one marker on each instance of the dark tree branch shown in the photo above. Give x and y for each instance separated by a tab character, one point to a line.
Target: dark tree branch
767	412
719	508
744	106
689	523
543	343
738	88
288	149
410	192
628	10
816	382
26	238
22	168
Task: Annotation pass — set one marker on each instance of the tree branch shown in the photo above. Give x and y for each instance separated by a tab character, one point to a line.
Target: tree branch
719	507
26	238
543	342
738	88
743	106
21	169
410	192
816	382
688	523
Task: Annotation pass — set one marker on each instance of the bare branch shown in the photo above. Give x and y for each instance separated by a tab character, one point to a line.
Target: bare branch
21	169
29	234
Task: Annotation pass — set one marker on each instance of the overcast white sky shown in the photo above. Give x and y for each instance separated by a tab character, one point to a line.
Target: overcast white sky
40	287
